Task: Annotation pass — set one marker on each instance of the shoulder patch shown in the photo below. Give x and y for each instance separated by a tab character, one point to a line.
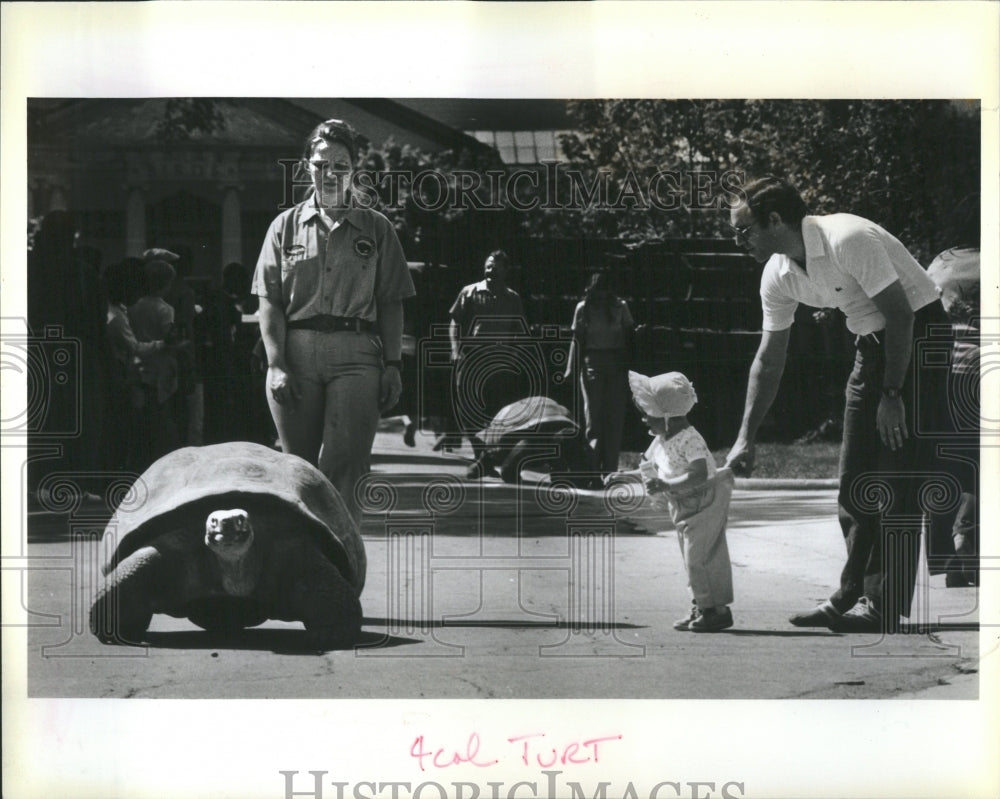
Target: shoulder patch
364	246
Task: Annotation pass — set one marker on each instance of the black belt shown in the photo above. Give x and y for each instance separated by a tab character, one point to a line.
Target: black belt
333	324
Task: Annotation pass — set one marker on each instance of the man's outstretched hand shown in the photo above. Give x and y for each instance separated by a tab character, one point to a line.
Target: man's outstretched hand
741	459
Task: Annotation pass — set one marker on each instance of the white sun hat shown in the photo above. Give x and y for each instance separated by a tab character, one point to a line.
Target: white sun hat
669	394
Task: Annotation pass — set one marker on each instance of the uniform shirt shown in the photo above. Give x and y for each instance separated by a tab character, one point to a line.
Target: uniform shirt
848	261
307	270
597	331
481	312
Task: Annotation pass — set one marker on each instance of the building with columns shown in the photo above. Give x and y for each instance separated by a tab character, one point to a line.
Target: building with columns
201	177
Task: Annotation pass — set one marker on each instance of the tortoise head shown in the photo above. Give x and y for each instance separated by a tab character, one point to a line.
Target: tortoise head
228	533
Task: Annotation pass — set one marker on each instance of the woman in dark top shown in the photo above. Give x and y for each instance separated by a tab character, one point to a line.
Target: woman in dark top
602	341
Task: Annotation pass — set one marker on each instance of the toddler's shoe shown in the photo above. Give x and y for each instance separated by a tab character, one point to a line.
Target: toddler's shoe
685	623
711	620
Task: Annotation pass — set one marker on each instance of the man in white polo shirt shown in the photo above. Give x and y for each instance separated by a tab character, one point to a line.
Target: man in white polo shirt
846	262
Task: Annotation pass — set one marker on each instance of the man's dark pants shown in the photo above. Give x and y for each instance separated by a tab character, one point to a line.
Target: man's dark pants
884	494
488	377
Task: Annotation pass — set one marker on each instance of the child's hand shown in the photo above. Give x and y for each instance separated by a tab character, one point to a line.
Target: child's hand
655	486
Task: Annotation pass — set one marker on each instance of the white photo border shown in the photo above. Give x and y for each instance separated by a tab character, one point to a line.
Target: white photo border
83	748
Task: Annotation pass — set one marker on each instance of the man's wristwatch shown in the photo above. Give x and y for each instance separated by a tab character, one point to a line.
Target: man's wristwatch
890	392
398	364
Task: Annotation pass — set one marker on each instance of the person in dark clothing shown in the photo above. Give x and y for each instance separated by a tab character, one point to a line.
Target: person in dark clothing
65	307
230	407
485	317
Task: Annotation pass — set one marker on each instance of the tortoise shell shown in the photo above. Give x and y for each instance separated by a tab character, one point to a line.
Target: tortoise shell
180	489
534	415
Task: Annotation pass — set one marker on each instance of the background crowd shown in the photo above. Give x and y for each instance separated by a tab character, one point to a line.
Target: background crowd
163	361
219	391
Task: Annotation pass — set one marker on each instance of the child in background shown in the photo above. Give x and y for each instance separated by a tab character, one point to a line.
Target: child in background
680	475
152	319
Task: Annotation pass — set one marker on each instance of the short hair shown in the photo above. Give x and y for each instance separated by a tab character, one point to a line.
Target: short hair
332	131
500	257
159	276
770	194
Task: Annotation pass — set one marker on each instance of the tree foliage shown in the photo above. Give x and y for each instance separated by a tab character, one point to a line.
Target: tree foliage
904	164
186	117
645	169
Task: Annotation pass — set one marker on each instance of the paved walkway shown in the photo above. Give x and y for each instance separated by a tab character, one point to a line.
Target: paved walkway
482	589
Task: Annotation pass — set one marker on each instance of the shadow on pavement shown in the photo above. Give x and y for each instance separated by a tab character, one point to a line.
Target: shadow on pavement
511	624
415	458
784	633
277	641
920	629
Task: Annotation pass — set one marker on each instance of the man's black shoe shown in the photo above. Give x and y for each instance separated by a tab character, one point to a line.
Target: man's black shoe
823	615
864	617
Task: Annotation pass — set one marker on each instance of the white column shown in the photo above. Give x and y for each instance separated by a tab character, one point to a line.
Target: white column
135	223
232	233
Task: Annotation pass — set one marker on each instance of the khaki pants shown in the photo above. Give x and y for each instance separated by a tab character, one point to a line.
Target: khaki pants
700	517
333	424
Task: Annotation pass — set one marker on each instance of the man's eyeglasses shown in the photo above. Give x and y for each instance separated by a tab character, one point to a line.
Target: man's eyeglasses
742	231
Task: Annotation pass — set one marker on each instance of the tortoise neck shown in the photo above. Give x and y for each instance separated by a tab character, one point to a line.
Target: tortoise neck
240	574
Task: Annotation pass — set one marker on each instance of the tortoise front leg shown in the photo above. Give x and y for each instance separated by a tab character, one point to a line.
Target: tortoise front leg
123	606
510	470
312	590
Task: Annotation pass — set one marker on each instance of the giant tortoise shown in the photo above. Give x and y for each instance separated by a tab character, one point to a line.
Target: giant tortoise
228	536
540	430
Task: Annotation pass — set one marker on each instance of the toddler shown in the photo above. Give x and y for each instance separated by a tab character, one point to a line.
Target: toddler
680	476
152	319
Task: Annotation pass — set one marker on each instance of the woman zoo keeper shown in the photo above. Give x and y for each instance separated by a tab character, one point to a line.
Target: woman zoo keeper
331	278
